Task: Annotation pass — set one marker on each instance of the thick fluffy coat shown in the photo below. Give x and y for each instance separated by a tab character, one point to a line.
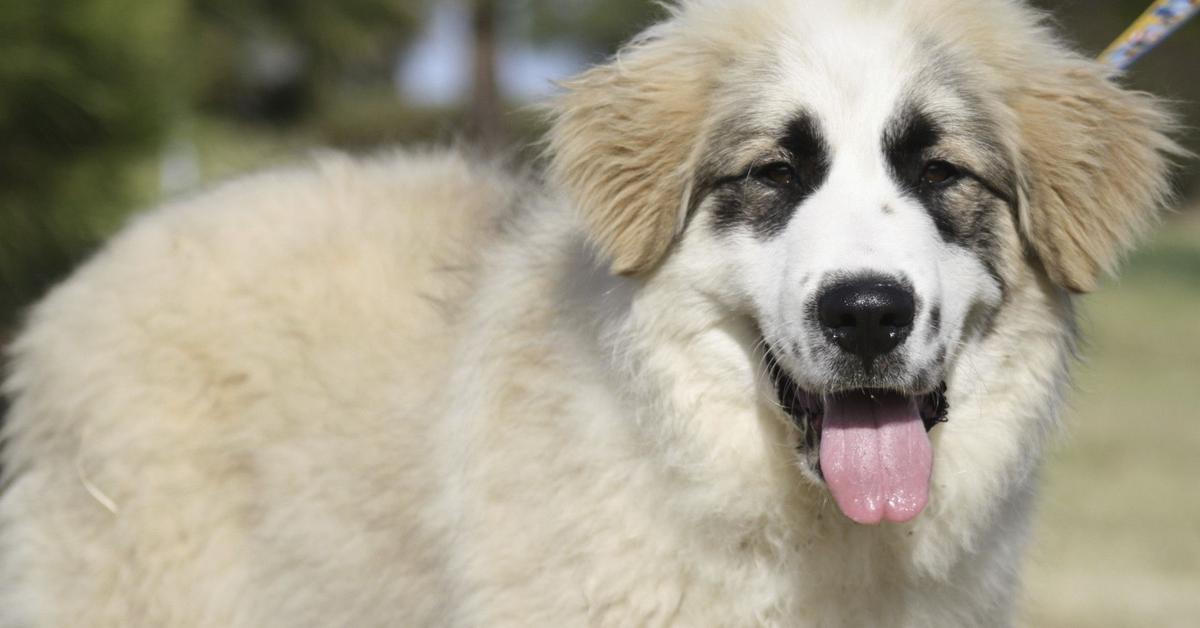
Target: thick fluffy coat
417	390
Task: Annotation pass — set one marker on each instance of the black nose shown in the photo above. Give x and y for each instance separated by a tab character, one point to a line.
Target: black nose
867	317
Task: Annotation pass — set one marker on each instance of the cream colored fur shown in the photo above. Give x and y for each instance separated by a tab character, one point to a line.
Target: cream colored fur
405	391
1093	169
625	144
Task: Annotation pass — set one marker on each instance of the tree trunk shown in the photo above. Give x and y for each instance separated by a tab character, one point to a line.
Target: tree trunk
486	124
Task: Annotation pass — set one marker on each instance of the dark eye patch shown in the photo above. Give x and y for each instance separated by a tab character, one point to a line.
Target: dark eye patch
764	198
906	142
909	145
964	207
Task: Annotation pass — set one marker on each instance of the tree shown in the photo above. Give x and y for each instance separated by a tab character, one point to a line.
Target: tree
486	115
596	27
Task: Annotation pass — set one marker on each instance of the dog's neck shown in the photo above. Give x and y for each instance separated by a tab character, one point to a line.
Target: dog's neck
672	386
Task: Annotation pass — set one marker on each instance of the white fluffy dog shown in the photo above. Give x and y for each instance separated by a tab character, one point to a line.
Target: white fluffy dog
778	342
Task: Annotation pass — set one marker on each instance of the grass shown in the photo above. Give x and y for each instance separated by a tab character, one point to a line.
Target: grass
1117	540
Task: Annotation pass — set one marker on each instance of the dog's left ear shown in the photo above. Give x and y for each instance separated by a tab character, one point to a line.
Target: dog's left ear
1096	166
623	143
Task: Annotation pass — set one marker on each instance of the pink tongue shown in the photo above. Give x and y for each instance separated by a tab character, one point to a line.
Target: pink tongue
876	456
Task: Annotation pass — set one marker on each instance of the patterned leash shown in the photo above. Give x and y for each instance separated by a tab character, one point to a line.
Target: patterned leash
1162	19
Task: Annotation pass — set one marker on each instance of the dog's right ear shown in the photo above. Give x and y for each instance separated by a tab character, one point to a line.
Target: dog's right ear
622	145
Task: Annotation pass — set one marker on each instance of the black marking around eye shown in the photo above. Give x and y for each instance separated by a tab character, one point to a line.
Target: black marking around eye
746	201
907	138
965	211
803	140
908	143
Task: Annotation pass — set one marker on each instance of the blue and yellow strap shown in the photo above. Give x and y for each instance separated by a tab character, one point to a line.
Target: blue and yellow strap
1162	19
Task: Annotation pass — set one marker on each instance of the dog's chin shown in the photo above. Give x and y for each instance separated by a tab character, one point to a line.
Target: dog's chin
868	445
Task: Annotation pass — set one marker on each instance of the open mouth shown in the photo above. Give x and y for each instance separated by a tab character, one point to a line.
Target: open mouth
871	446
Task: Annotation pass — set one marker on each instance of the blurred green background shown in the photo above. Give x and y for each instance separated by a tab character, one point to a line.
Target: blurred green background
108	106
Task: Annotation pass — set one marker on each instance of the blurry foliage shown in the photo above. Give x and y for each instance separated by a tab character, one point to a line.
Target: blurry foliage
85	88
275	60
596	26
370	120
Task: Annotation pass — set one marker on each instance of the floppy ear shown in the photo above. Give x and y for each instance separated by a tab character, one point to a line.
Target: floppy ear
622	145
1095	172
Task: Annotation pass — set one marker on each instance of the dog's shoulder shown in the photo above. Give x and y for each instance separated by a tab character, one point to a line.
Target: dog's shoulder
296	306
197	292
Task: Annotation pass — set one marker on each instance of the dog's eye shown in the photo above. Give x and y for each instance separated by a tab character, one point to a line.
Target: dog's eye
939	173
779	174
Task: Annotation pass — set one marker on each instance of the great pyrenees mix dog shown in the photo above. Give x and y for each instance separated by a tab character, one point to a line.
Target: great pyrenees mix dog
777	340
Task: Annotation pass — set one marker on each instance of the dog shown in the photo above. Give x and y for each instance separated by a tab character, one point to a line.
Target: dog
775	338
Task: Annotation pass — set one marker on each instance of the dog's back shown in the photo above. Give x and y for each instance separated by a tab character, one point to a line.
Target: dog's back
185	388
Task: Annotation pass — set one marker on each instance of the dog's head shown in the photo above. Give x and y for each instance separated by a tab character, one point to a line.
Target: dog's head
865	181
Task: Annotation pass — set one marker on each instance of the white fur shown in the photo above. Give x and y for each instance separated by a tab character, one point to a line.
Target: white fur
404	391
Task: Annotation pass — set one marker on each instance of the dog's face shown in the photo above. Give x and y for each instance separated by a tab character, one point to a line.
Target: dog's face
870	221
865	181
865	204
